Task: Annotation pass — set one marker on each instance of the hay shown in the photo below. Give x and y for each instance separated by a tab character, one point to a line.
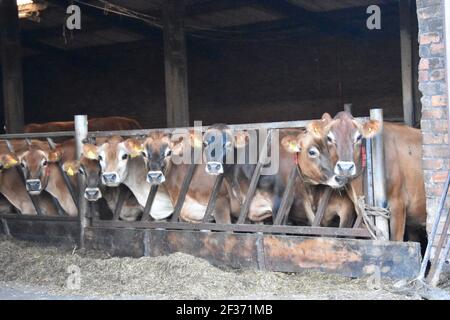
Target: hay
177	276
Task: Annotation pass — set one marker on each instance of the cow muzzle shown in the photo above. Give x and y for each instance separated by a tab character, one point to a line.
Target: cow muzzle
155	177
214	168
92	194
34	186
110	179
345	168
337	182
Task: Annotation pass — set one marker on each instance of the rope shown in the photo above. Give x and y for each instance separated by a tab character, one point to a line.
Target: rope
367	212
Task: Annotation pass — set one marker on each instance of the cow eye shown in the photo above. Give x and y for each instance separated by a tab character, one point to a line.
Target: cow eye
44	163
168	152
80	170
358	138
144	154
313	152
100	158
125	157
22	165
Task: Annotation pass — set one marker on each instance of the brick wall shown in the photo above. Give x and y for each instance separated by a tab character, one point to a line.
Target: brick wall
432	84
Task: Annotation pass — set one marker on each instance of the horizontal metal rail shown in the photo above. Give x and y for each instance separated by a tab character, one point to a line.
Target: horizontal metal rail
37	135
299	230
36	218
246	126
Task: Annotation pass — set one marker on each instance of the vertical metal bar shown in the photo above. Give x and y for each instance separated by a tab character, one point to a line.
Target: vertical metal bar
183	191
434	229
123	193
323	202
66	178
213	198
287	199
435	276
254	181
442	240
379	181
149	203
33	199
81	132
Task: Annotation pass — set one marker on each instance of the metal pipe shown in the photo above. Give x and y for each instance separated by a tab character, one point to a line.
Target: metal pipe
81	133
379	180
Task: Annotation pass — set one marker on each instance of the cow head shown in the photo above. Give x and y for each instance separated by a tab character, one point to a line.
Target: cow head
35	166
219	142
344	134
158	150
90	172
113	156
312	155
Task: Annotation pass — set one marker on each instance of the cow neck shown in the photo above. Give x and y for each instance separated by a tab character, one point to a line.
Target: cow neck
305	191
57	188
136	179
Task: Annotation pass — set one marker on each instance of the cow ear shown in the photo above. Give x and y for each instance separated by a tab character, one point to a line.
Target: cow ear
317	128
196	140
241	139
90	151
326	118
291	144
54	156
9	160
370	128
71	167
134	147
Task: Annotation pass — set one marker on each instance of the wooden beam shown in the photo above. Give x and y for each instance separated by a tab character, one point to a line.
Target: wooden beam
175	63
406	61
11	60
317	21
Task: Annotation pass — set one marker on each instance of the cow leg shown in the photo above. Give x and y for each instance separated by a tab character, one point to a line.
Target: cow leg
222	213
398	219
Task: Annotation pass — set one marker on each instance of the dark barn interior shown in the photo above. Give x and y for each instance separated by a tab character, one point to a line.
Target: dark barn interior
247	61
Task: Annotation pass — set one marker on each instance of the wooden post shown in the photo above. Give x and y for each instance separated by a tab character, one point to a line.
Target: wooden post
11	62
406	60
379	181
81	131
175	63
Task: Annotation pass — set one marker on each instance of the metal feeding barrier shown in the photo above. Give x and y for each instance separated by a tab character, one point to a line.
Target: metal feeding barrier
88	218
274	246
279	223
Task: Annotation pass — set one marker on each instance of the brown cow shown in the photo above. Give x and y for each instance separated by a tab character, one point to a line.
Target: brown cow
13	189
94	190
403	165
312	157
122	163
42	173
221	143
94	124
158	152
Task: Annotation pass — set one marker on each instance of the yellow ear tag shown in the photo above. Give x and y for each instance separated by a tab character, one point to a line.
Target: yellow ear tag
370	129
91	155
11	162
136	151
293	146
70	171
